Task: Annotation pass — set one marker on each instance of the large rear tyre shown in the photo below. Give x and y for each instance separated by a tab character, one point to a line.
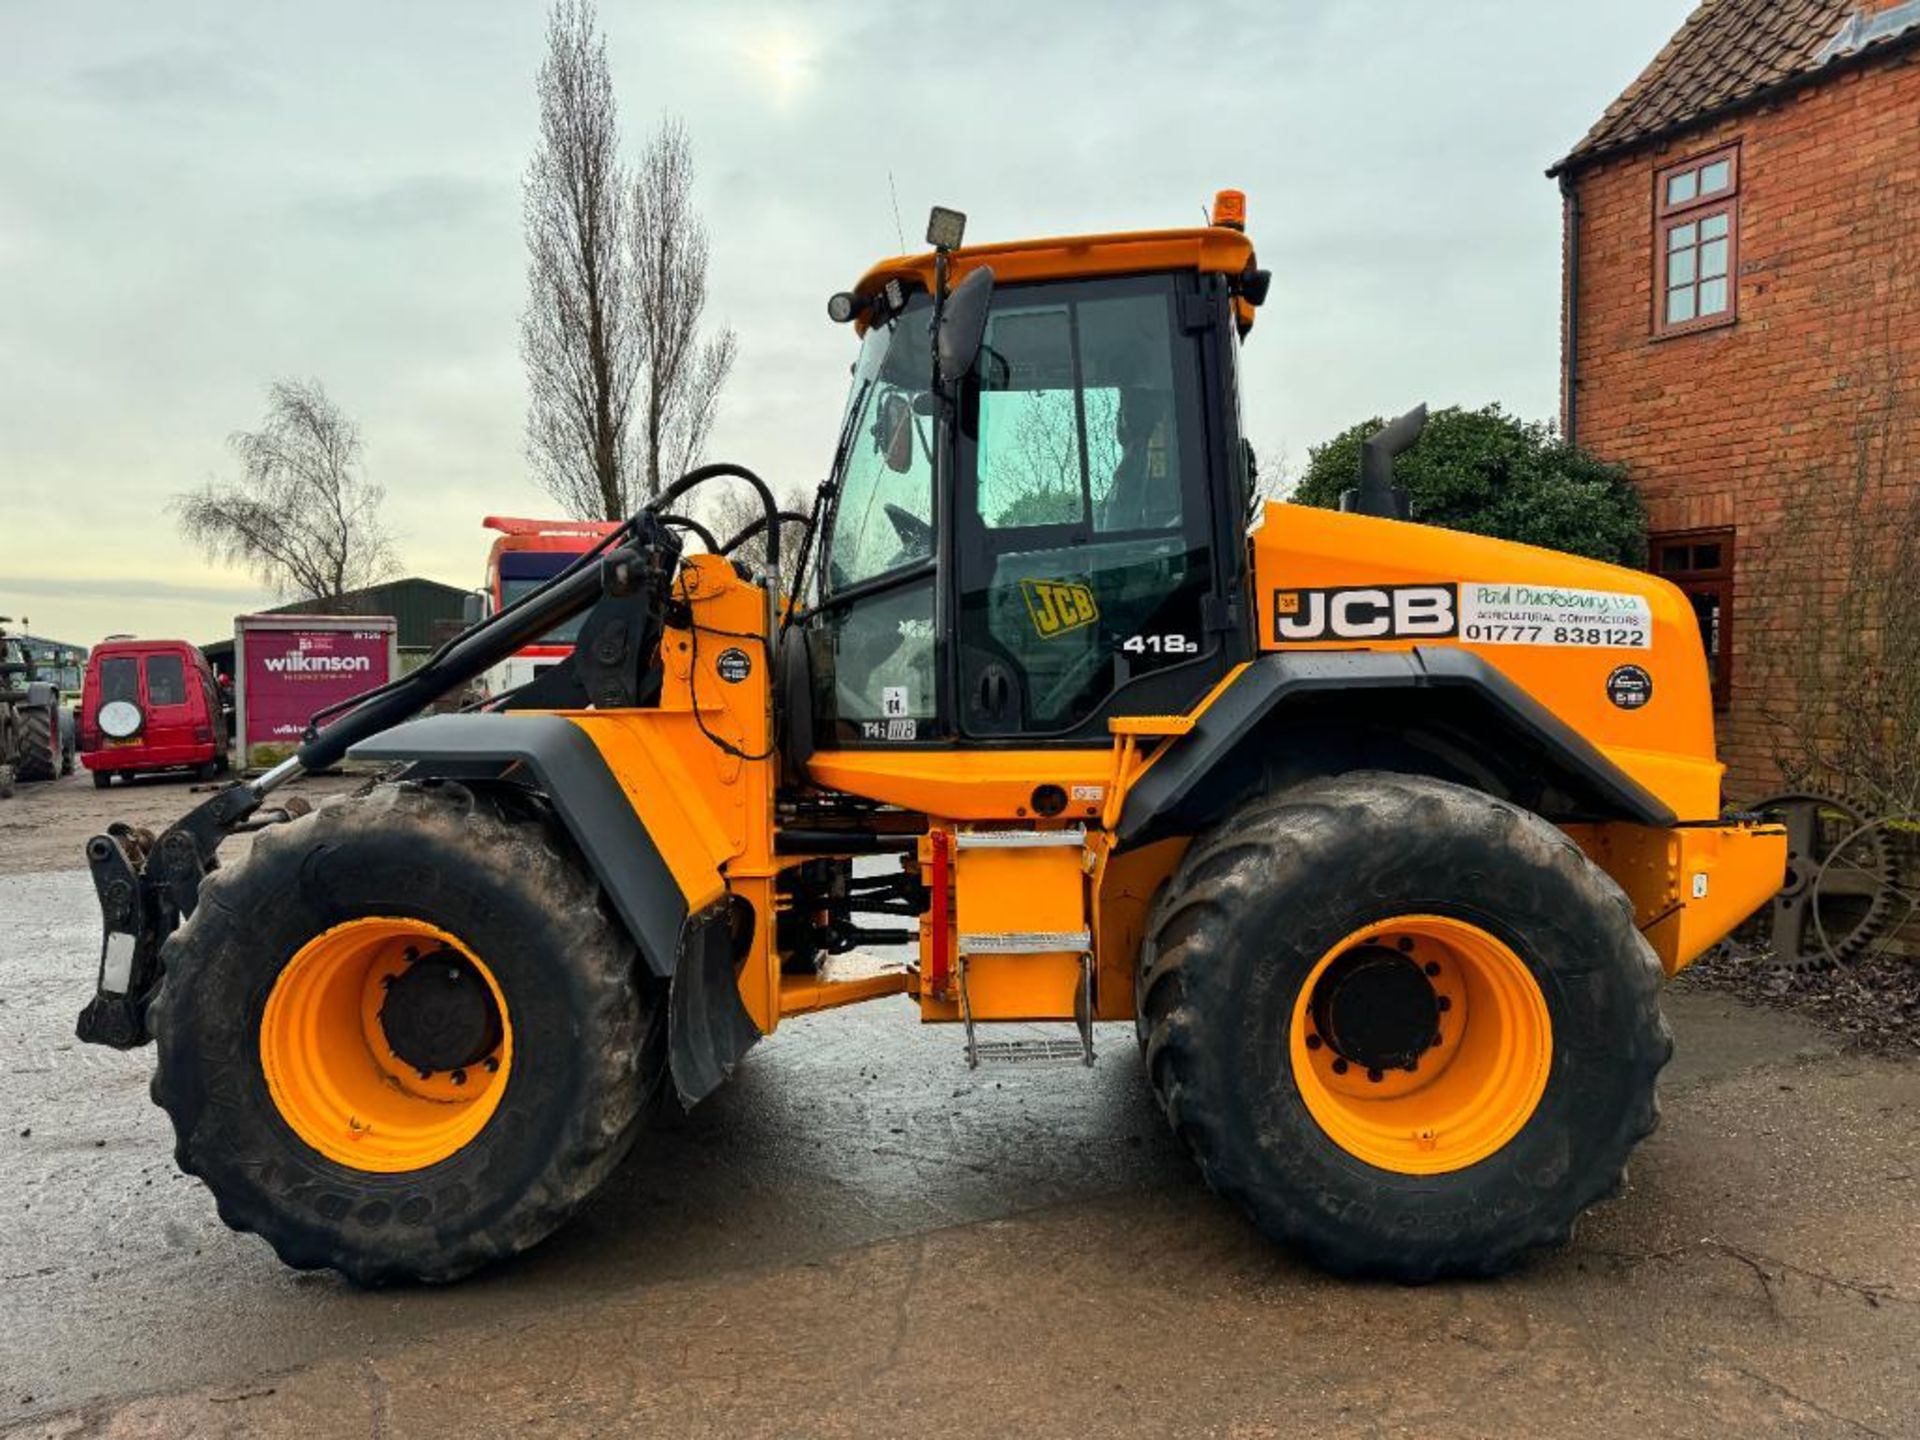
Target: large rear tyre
403	1038
1408	1028
39	744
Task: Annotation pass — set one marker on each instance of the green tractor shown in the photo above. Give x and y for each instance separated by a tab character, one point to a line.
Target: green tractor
36	735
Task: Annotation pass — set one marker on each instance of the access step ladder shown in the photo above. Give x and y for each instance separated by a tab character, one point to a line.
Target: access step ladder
1036	974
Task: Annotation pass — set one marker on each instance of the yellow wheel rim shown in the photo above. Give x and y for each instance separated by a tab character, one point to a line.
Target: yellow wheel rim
331	1067
1476	1079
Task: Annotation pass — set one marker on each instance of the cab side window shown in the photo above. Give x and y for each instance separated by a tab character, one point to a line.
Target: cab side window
1088	503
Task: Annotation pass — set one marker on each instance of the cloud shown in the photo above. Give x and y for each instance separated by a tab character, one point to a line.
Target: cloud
131	587
418	200
171	78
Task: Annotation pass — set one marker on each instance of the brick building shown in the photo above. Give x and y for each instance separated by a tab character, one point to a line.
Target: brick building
1741	328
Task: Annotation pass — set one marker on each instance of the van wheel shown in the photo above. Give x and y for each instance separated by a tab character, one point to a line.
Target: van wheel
1410	1029
206	772
102	779
404	1037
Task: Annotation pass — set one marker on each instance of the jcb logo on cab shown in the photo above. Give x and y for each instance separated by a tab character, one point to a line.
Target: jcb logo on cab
1058	606
1371	612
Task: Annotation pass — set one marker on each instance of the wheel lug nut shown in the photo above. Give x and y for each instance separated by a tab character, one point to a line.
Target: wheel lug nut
386	982
1413	1065
1339	1067
1405	944
1443	1004
425	1074
1375	1076
492	1062
459	1077
413	953
1433	967
1314	1042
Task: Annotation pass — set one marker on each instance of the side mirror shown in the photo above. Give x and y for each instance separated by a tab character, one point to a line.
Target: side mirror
893	431
473	608
963	326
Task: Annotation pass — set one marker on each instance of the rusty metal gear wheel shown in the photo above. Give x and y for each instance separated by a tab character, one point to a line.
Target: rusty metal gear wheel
1899	899
1839	892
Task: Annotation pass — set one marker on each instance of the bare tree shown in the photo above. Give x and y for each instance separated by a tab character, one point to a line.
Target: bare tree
579	335
302	515
682	374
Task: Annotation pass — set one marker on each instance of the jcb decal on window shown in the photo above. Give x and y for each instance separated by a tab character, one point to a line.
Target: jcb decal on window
1057	606
1365	612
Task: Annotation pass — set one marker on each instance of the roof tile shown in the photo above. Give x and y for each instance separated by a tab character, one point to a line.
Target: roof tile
1726	52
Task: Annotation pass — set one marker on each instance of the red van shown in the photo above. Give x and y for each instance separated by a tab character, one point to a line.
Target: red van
150	705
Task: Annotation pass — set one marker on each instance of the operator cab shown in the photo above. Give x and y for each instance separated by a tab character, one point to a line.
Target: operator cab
1053	537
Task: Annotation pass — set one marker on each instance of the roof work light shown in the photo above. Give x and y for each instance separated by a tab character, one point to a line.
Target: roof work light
946	228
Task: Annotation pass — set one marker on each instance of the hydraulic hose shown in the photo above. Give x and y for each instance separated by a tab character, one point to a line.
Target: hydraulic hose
700	474
466	657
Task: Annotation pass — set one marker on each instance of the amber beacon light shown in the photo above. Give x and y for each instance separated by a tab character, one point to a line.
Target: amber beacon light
1230	209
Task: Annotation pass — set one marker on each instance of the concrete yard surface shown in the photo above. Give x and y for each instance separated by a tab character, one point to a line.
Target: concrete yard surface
858	1237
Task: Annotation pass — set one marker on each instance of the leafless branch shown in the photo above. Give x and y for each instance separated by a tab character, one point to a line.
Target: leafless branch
617	286
682	375
578	336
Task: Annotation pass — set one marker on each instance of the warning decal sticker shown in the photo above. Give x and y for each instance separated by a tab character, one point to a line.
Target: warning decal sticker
1515	614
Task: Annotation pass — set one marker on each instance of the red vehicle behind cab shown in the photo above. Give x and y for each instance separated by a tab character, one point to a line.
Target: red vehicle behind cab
150	705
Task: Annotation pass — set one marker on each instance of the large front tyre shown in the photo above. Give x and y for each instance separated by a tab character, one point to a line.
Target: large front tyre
1410	1029
403	1038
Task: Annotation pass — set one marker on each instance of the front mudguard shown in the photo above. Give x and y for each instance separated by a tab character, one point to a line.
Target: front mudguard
708	1028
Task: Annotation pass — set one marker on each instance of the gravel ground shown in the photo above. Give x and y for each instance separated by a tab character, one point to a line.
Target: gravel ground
857	1236
46	826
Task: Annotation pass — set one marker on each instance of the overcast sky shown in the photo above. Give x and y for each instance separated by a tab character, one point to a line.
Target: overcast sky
195	198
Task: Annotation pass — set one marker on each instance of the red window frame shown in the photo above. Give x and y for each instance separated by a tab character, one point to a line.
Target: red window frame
1698	208
1700	563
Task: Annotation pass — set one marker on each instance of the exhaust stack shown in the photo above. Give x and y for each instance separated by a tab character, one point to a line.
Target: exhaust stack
1377	494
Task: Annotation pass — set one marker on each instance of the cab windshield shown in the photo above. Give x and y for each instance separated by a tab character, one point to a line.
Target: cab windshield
883	521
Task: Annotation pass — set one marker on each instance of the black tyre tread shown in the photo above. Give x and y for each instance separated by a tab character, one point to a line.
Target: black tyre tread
39	757
1194	914
520	848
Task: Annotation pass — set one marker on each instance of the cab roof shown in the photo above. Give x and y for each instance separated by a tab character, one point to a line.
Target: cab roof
1209	249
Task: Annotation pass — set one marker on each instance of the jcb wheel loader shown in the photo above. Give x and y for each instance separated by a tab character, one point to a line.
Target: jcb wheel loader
1385	837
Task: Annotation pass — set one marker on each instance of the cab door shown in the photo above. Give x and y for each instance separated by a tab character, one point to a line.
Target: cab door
1088	541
